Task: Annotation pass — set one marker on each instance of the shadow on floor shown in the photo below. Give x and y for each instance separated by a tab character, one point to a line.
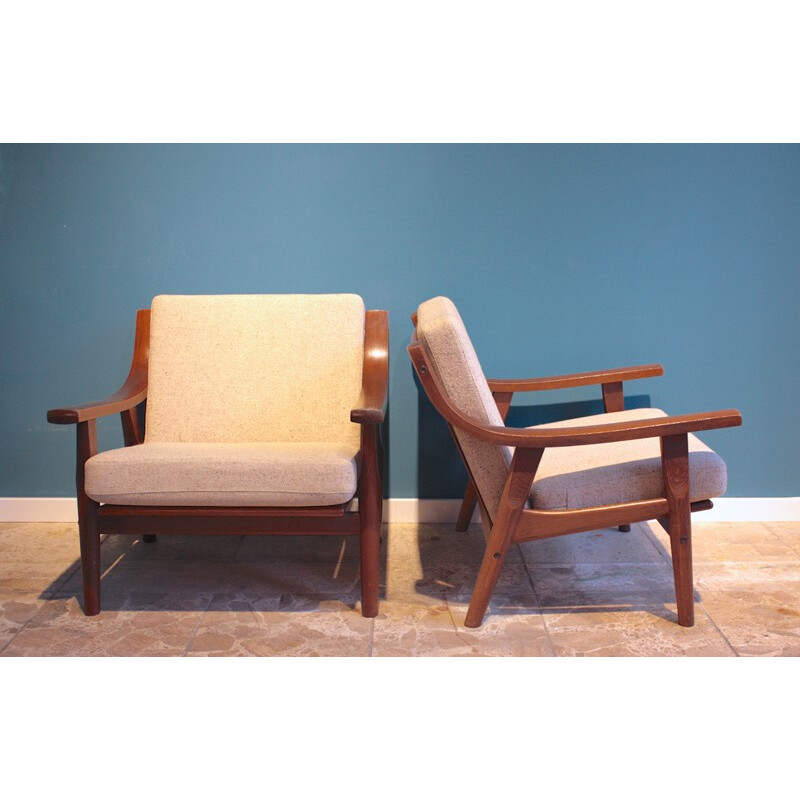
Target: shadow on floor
593	572
275	572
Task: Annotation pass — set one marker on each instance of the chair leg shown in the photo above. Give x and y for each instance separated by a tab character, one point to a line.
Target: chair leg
370	546
149	538
680	536
675	462
370	511
467	507
515	493
625	528
493	560
90	559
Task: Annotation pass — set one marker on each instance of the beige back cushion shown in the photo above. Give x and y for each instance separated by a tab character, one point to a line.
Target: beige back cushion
451	354
254	368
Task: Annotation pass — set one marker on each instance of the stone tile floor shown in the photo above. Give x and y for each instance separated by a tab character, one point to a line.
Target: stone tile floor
602	593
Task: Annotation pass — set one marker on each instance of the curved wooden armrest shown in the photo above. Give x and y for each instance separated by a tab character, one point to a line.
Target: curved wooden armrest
130	394
564	437
371	407
613	432
576	379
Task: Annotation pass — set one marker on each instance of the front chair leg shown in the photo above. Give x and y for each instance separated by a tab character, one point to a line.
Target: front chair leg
675	463
370	512
88	527
370	566
515	494
90	558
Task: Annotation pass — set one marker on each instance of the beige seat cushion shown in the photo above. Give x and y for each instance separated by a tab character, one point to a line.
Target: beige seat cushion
620	472
250	474
255	368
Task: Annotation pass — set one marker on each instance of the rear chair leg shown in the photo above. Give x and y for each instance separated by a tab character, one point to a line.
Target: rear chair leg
467	507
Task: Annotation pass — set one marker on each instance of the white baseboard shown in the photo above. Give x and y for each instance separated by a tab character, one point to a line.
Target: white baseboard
38	509
401	509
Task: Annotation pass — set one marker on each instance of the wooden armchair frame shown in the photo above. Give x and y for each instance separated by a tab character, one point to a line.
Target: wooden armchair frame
513	522
95	519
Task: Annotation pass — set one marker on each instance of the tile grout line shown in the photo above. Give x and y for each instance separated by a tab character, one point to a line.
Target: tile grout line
538	604
8	643
716	627
197	627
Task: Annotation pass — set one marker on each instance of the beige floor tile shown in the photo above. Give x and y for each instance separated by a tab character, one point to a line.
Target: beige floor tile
32	581
15	611
152	626
436	629
788	532
716	542
39	543
513	626
756	606
423	627
244	624
620	609
637	632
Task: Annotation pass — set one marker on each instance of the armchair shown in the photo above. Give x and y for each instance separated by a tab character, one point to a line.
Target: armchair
610	469
263	416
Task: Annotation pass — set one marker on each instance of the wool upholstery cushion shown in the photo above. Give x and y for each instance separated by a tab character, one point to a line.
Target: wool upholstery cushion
255	368
618	472
441	332
224	474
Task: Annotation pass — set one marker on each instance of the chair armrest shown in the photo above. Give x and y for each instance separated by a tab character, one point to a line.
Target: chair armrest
130	394
371	406
564	437
613	432
576	379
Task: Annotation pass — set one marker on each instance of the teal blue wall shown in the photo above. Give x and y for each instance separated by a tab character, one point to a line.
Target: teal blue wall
561	258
